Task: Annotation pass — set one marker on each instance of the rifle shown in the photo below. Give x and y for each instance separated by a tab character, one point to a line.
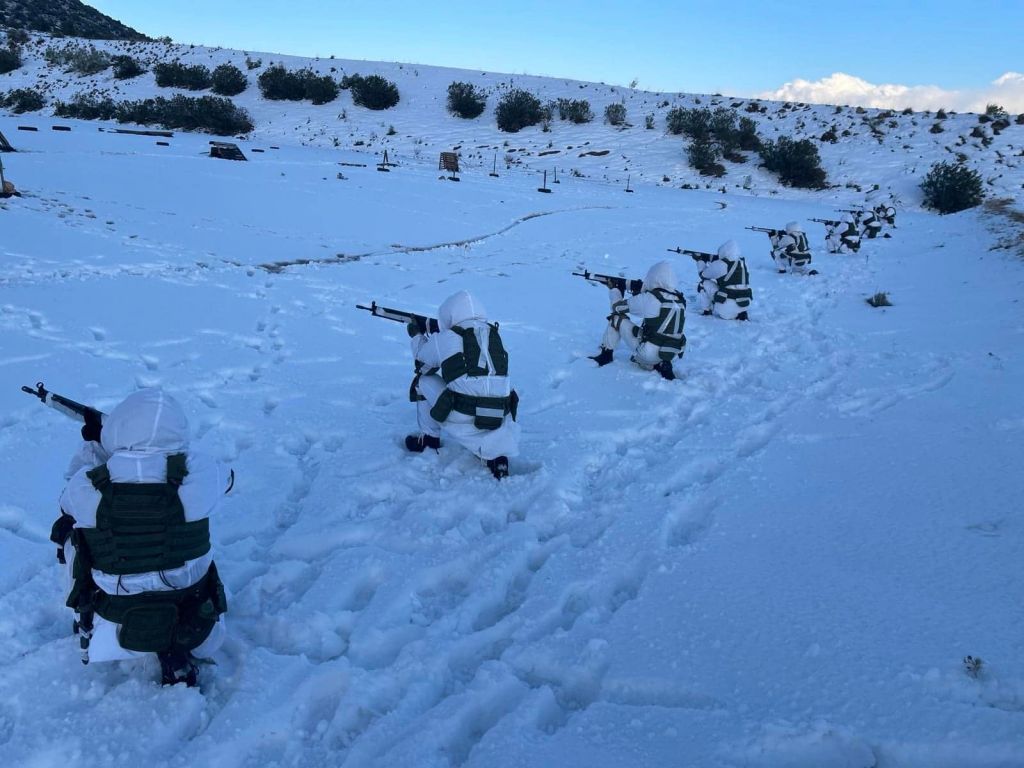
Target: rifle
766	230
68	407
612	281
828	222
422	322
702	256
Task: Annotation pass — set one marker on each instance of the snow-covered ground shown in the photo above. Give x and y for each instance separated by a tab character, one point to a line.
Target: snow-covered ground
892	150
779	560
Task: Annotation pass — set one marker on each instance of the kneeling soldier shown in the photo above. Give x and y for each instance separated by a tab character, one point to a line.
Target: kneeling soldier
725	285
462	385
137	513
658	339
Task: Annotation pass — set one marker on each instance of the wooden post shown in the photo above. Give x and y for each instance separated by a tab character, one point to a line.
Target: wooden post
544	186
494	168
383	166
3	181
627	184
555	180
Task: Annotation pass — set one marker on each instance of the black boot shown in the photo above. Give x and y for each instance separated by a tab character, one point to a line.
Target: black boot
177	667
742	316
498	467
706	312
603	357
665	369
420	443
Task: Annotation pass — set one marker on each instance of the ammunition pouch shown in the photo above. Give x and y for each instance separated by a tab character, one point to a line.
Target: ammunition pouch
488	412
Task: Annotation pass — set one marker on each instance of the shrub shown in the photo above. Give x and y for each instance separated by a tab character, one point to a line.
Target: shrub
279	84
10	60
1020	119
941	114
746	135
177	75
908	111
125	68
649	122
952	187
16	37
86	108
466	100
251	64
994	112
518	109
574	110
615	114
703	154
797	162
83	60
319	89
211	114
229	80
880	299
695	123
936	128
830	136
23	100
373	92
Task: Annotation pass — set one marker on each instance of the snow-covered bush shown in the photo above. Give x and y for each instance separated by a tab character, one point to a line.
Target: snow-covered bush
466	100
229	80
23	100
574	110
251	64
993	112
952	187
649	121
178	75
615	114
703	154
10	60
125	68
518	109
372	91
746	135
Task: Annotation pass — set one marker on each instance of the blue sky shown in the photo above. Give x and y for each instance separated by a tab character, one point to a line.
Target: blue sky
734	47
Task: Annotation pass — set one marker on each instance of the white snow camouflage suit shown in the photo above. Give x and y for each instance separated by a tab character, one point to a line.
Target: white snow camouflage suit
662	308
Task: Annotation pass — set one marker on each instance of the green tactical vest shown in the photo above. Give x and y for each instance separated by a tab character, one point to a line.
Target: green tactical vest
734	284
666	330
141	527
487	412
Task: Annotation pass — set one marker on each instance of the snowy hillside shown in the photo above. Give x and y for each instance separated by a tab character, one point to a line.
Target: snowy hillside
778	560
874	147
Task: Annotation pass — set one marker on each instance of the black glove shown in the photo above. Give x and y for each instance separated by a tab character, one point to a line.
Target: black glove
636	286
412	329
60	532
92	428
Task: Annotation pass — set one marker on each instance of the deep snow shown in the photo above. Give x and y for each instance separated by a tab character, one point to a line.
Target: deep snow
779	560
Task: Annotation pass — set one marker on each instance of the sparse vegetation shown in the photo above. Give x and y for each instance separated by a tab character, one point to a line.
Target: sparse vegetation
649	121
880	299
23	100
178	75
466	100
372	91
797	162
615	114
936	128
80	59
952	187
229	80
252	64
518	109
125	67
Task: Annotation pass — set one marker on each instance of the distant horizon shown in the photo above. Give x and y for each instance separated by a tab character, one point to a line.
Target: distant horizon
919	59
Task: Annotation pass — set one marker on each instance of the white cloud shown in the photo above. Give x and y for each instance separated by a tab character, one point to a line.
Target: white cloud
840	88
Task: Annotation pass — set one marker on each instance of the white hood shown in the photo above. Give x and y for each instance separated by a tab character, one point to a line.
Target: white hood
661	275
730	249
460	308
147	421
